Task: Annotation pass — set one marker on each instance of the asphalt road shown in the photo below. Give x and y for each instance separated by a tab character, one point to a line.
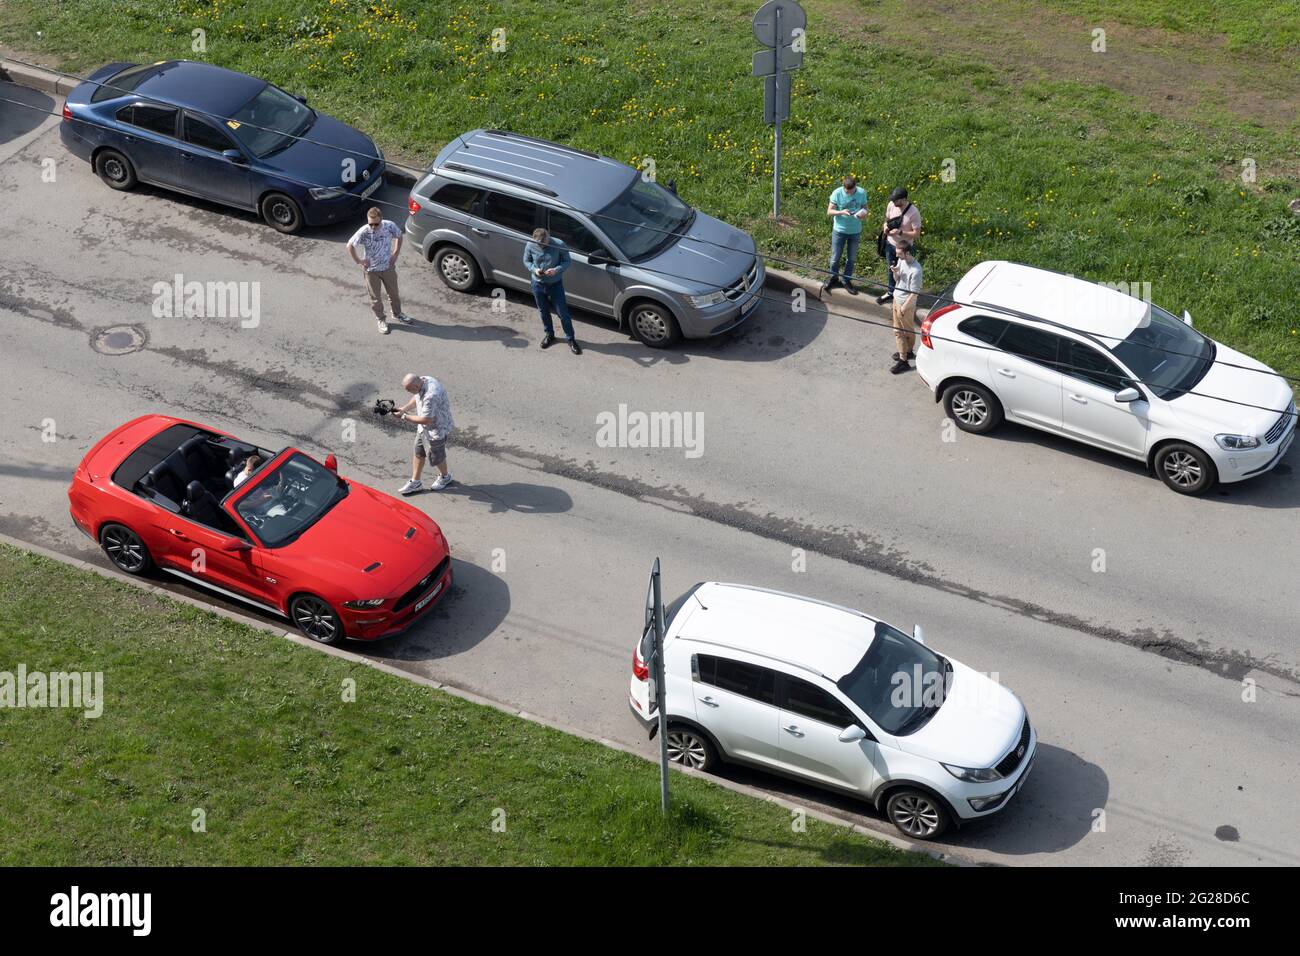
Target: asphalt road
1133	674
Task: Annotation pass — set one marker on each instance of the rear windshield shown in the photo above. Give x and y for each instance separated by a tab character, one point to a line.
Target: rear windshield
119	84
670	612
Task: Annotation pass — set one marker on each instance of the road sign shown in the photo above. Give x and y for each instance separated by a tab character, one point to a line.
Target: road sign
766	63
654	629
790	15
776	99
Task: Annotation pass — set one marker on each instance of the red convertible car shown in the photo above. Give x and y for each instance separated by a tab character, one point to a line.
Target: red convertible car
337	558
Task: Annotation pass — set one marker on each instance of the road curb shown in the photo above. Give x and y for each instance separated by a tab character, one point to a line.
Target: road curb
35	78
481	699
862	306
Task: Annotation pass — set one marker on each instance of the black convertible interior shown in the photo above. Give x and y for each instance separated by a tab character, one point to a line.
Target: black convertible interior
189	471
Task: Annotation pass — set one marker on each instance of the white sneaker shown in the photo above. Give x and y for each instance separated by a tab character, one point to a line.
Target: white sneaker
410	488
383	327
404	318
442	482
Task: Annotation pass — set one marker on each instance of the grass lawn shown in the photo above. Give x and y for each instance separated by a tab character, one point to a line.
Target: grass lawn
1129	172
203	713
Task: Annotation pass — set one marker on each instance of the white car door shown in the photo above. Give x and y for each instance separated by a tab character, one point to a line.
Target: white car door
811	722
736	702
1024	374
1091	414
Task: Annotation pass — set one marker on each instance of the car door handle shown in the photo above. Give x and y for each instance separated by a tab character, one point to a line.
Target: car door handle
709	700
794	730
481	232
1007	372
1078	398
185	155
179	534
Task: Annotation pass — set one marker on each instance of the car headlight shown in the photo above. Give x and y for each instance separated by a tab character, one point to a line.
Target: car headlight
327	192
363	605
973	775
704	301
1236	442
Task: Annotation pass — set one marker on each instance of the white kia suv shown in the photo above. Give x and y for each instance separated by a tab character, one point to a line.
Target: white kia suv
1104	368
837	699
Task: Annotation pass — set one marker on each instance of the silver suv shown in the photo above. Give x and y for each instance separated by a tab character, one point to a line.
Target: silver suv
640	255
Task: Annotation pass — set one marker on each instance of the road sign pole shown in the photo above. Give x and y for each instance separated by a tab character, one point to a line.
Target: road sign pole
776	158
661	692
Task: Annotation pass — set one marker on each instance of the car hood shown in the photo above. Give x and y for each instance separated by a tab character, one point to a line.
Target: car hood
318	157
711	255
364	528
977	724
1245	382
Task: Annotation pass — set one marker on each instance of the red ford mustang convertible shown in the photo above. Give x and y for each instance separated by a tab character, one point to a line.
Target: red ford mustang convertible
337	558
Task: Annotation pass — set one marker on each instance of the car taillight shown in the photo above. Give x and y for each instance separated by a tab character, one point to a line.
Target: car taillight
67	112
929	321
412	205
640	669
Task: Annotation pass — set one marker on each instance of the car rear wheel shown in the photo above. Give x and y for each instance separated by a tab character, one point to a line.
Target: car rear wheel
457	268
281	213
1185	468
973	407
917	814
316	619
653	325
115	169
125	549
690	748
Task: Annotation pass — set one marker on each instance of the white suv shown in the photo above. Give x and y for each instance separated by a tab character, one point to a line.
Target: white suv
838	699
1107	369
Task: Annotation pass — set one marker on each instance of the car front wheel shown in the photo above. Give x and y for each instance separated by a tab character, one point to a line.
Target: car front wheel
316	619
281	213
917	814
653	325
973	407
690	748
115	169
1185	468
125	549
456	268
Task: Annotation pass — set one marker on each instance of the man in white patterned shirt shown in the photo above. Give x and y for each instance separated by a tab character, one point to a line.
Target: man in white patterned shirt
380	240
432	416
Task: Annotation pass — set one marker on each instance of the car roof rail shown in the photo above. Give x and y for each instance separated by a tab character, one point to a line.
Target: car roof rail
754	653
1005	310
488	174
541	142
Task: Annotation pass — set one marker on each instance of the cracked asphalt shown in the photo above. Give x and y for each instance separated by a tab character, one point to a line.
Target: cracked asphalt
1164	687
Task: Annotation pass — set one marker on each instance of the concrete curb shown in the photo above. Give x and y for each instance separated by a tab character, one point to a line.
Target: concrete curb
476	698
862	306
35	78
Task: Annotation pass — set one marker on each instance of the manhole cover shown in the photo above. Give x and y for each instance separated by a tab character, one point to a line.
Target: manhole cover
118	340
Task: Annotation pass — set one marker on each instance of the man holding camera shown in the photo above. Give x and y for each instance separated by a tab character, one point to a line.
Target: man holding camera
430	411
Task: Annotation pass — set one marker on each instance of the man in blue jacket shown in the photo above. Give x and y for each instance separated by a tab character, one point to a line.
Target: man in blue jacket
546	258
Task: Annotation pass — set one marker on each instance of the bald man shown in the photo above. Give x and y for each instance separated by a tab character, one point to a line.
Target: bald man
430	411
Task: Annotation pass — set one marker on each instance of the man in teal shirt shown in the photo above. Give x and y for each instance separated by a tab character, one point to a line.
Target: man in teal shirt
847	209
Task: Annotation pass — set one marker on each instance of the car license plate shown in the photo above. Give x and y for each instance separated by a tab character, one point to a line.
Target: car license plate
365	193
426	599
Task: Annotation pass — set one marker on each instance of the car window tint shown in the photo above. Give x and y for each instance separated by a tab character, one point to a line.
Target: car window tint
205	135
155	119
1030	343
517	214
809	700
457	196
983	327
1090	365
738	677
574	234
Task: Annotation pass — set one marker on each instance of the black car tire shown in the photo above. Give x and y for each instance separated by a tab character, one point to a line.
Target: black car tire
972	407
917	814
316	619
281	213
457	269
653	325
115	170
125	549
1185	468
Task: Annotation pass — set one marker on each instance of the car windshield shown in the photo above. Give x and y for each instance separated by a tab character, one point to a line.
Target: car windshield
1166	354
290	499
899	683
644	219
270	121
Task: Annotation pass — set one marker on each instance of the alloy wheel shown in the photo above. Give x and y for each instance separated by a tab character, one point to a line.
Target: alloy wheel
687	748
316	619
969	408
454	269
1182	469
125	549
916	815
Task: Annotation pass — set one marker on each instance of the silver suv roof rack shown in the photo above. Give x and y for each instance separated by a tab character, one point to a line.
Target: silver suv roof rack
488	174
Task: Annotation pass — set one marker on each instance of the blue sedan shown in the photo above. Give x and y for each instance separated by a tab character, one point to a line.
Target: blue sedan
222	136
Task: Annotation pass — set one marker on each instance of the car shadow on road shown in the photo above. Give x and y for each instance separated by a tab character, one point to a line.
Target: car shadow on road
1278	488
17	121
470	613
1055	810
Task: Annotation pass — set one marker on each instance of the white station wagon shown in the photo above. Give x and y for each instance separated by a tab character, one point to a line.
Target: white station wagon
1085	361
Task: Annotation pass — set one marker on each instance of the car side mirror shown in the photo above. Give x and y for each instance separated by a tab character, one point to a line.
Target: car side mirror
235	544
300	98
672	186
332	463
1126	395
852	734
234	156
1187	317
918	635
599	259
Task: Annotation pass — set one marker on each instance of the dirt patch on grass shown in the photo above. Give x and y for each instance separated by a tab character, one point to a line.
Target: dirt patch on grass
1175	75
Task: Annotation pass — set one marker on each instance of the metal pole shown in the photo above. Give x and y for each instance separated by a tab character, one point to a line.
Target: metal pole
661	692
776	112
